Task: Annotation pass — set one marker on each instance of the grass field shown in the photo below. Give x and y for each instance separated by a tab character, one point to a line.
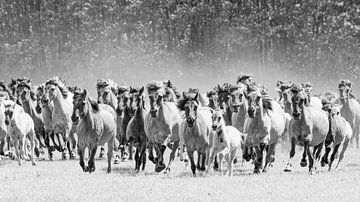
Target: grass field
64	180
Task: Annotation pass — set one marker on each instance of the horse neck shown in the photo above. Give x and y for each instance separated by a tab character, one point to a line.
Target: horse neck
29	107
305	116
227	115
287	107
59	101
113	101
259	117
89	119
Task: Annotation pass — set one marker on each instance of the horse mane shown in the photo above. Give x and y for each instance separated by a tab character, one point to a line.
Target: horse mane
122	89
267	101
170	86
189	96
94	105
103	83
57	81
329	97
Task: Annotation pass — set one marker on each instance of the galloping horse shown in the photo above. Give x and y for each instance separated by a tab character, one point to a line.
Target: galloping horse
21	127
264	125
308	128
27	98
4	95
238	105
226	141
161	125
195	129
284	90
223	96
135	132
340	133
350	109
96	126
57	92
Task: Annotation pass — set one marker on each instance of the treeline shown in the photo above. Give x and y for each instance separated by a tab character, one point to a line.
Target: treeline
314	38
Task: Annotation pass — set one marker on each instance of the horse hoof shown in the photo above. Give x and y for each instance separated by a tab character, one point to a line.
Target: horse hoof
159	168
256	171
303	163
116	161
167	171
108	170
235	160
34	164
288	168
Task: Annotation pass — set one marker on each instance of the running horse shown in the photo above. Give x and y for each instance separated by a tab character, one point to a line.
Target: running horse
350	109
223	97
135	132
264	125
58	93
161	125
27	98
96	126
4	95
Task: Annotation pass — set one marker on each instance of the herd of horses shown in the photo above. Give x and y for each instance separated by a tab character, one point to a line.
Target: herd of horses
216	125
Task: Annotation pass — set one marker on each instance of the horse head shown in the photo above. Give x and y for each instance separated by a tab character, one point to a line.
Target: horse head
81	107
299	100
236	97
213	99
136	99
344	87
55	88
190	105
9	112
223	95
156	93
218	120
254	98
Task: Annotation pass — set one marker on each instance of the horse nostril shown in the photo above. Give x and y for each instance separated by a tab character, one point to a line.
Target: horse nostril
214	127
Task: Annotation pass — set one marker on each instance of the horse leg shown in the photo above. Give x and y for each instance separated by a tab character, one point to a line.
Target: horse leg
203	161
191	158
259	158
291	155
137	159
81	151
72	145
212	154
91	162
216	164
32	143
160	149
221	156
151	154
357	134
110	145
143	155
198	160
172	155
303	162
333	155
325	158
102	152
130	148
311	157
17	145
2	144
269	155
230	162
345	145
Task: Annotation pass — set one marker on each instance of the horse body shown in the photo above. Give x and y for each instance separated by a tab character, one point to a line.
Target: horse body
350	110
3	128
263	127
21	127
96	127
308	128
339	134
226	142
197	137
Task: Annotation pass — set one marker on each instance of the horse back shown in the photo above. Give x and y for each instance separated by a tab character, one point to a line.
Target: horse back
109	126
319	124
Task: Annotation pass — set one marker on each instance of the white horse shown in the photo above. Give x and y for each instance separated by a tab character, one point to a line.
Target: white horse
226	142
21	126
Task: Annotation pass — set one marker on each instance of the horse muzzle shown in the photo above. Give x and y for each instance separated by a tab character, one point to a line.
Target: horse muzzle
214	127
7	122
296	115
190	121
38	109
251	112
153	113
75	119
236	108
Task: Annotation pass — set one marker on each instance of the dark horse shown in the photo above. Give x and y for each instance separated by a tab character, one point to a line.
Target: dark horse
135	132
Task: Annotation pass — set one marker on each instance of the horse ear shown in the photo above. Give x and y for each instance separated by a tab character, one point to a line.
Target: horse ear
348	83
219	87
184	95
85	93
141	90
196	96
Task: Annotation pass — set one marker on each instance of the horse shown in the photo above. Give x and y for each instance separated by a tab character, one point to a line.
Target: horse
27	98
57	92
238	105
340	133
350	109
223	96
21	127
308	128
107	91
313	100
161	125
264	125
195	130
135	132
284	90
226	142
96	126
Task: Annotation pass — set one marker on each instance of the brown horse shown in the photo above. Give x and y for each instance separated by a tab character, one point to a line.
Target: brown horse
135	131
350	109
195	129
161	125
96	126
308	128
264	125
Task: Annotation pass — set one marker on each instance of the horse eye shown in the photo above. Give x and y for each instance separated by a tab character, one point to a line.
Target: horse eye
219	118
